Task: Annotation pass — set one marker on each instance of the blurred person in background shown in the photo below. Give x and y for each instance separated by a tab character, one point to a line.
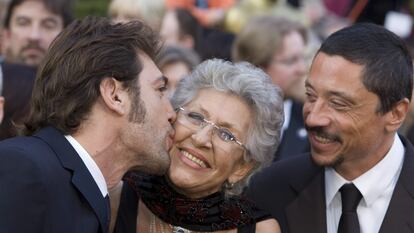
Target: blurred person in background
208	13
241	13
180	27
18	81
3	6
175	63
1	96
150	11
30	26
277	45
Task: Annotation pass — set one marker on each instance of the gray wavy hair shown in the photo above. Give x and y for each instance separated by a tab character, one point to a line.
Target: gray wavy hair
254	87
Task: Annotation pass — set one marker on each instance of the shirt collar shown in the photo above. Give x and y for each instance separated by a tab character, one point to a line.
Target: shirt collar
287	109
90	165
372	182
333	182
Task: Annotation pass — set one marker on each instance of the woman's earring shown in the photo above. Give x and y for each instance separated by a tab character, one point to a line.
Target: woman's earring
228	185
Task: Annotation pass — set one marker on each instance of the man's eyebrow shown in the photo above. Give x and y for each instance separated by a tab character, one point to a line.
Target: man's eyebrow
165	79
50	19
308	86
18	17
343	95
340	94
162	79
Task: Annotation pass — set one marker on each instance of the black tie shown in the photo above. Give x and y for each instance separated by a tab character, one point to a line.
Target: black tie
350	199
108	213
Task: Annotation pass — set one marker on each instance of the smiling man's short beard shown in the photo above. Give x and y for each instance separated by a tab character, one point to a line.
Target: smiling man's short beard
334	162
138	110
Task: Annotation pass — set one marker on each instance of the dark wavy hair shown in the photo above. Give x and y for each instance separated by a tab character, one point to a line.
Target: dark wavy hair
87	51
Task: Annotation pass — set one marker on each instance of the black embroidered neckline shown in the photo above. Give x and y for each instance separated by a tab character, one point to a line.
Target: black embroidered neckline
211	213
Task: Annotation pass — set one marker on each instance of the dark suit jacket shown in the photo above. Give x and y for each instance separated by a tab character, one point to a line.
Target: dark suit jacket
293	190
18	81
46	188
294	140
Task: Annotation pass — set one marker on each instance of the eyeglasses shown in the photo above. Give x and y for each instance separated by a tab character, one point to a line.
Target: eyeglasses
196	121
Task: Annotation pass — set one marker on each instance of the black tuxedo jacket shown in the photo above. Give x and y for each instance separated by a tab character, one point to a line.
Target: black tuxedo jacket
295	139
46	188
293	190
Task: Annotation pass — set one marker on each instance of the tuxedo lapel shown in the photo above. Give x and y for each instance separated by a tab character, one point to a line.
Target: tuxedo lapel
307	213
81	178
400	213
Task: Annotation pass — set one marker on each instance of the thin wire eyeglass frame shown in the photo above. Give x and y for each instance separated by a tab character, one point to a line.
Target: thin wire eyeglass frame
218	128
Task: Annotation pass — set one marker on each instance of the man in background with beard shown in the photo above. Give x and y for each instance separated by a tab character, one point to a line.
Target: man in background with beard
30	26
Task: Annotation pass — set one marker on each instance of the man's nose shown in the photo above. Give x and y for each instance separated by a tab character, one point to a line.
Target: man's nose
315	114
35	32
171	114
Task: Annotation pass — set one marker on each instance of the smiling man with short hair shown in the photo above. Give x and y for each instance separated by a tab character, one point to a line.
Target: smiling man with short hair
358	176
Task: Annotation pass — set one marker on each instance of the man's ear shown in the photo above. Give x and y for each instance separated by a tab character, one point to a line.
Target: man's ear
397	115
1	108
114	95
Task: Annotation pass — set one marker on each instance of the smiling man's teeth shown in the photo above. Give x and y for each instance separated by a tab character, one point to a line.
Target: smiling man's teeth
194	159
323	140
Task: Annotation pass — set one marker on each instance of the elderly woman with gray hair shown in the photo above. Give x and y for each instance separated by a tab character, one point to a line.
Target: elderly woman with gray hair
229	118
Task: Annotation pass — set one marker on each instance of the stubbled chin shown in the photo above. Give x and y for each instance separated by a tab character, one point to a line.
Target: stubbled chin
326	159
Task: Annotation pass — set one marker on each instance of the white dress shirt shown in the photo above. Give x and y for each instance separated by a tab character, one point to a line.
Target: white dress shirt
90	165
376	186
287	109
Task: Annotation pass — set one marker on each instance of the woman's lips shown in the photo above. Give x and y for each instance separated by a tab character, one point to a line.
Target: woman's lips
193	159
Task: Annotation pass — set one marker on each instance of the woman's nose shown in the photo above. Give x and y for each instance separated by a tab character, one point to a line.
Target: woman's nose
203	136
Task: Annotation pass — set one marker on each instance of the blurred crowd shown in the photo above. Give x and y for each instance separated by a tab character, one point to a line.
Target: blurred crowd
279	36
